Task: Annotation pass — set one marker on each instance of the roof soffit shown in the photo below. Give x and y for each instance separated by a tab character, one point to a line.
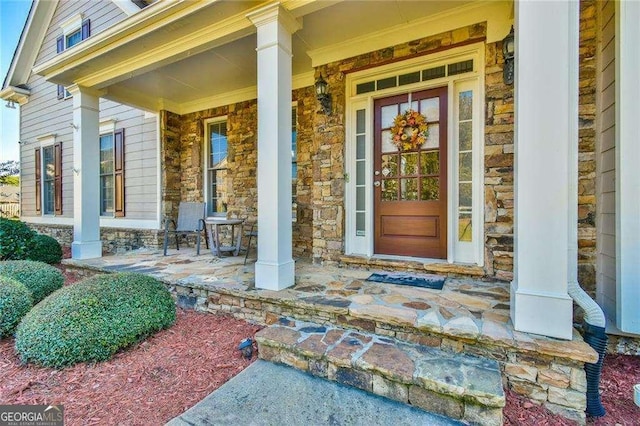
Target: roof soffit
30	42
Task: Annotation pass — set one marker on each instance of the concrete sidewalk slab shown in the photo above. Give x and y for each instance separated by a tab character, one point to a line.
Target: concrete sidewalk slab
271	394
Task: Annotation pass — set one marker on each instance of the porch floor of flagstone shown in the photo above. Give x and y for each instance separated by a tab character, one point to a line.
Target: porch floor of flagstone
465	312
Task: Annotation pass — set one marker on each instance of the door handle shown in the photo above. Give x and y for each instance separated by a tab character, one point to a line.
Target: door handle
376	183
377	173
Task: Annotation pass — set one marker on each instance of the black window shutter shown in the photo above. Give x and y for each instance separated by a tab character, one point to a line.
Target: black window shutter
86	29
57	177
118	171
38	181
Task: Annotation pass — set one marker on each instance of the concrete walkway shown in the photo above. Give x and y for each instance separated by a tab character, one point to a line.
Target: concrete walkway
270	394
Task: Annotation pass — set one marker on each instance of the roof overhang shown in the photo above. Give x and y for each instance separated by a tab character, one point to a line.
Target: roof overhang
15	94
29	43
186	56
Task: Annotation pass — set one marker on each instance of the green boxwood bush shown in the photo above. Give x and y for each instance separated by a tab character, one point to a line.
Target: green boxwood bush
15	302
45	249
41	279
93	319
16	239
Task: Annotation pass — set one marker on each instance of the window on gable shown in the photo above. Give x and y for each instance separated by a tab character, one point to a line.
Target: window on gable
73	32
73	38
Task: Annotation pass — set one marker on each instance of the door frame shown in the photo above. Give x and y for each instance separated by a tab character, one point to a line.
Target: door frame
362	243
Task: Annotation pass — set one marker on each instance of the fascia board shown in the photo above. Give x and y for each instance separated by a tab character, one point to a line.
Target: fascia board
31	38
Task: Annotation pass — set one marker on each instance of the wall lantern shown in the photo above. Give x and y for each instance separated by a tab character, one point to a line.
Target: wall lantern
322	95
508	51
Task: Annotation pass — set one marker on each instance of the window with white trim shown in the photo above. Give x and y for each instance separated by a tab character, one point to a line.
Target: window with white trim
74	30
48	176
48	180
216	169
106	175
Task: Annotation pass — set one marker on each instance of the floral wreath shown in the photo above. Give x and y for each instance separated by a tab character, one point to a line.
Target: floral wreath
409	130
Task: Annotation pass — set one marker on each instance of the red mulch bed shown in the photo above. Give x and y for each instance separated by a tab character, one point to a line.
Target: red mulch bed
619	374
149	383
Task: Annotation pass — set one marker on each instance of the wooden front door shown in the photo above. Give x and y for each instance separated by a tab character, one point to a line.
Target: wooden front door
410	185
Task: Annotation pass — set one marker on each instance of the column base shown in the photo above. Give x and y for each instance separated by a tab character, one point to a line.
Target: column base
275	276
547	314
86	249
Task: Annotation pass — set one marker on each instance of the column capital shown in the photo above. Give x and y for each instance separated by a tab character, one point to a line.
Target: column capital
74	89
274	13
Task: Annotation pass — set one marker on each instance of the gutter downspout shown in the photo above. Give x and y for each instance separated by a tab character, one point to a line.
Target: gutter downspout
595	336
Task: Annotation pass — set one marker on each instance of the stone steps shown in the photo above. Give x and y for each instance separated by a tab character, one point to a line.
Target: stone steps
459	386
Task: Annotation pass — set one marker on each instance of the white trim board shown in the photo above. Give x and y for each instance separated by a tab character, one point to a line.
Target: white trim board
456	252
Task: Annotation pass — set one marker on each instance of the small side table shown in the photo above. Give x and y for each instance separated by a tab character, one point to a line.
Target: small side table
213	228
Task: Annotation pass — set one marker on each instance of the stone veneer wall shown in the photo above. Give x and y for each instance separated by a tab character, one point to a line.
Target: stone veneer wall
170	163
587	255
184	152
329	168
114	240
319	230
498	167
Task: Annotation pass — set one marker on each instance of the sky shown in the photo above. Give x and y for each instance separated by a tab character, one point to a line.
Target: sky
13	14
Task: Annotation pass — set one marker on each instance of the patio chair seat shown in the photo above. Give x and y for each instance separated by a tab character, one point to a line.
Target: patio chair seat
190	222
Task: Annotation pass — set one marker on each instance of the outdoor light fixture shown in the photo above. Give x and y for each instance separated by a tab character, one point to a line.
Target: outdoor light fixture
11	104
322	95
246	347
508	51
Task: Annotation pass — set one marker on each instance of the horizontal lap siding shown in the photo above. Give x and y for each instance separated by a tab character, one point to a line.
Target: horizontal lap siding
606	163
45	114
140	156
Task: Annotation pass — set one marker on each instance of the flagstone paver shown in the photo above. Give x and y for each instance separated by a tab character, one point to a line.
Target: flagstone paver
467	315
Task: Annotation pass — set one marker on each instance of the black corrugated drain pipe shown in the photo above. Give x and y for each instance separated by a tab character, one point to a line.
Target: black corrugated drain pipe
594	335
596	338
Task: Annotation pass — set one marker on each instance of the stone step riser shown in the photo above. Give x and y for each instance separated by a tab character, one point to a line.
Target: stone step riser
390	369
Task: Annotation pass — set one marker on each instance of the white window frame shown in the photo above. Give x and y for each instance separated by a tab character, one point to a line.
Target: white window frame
206	151
468	253
69	27
45	141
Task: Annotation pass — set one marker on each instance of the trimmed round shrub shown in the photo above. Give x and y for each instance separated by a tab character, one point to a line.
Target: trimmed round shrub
41	279
15	302
93	319
16	239
45	249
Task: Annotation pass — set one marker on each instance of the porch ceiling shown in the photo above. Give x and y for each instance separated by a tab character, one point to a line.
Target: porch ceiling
179	61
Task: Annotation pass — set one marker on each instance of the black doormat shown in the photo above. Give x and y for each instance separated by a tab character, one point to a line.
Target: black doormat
435	282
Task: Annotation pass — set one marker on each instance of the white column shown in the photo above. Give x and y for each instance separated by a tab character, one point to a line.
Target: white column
546	161
86	179
275	267
627	170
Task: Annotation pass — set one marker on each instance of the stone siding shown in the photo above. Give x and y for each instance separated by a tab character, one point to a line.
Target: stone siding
170	163
319	231
184	152
114	240
587	254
